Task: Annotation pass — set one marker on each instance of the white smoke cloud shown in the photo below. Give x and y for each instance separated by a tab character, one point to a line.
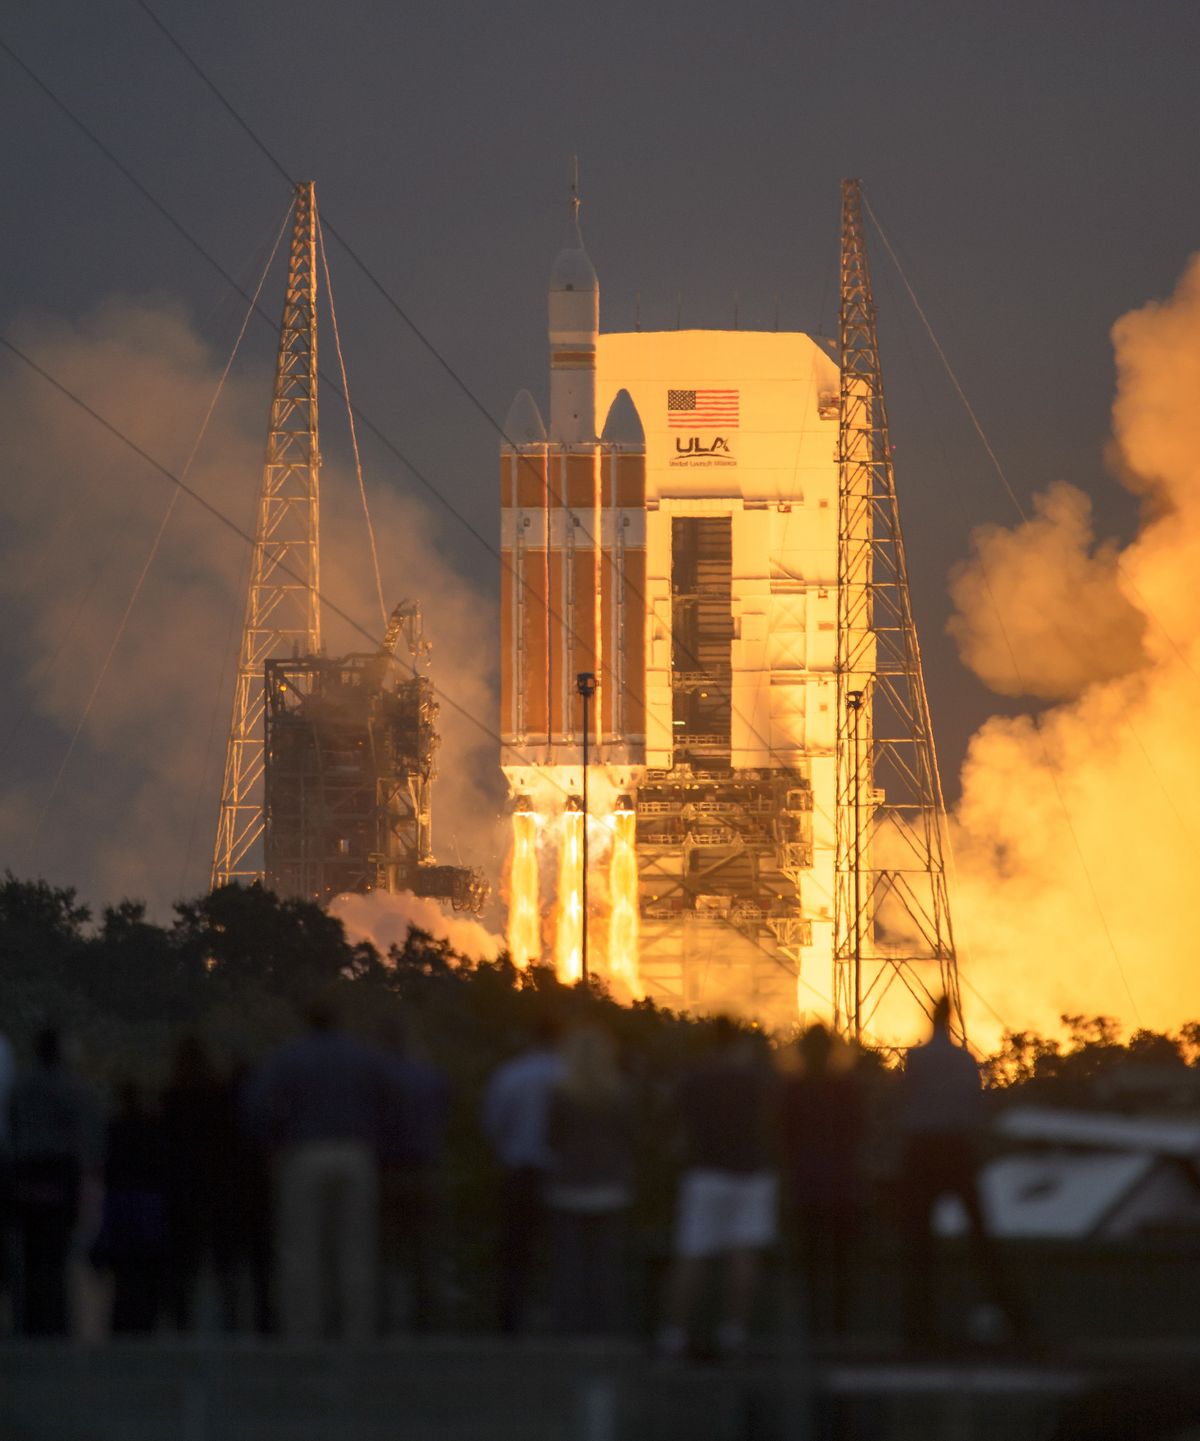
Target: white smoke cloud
78	513
384	920
1062	621
1078	832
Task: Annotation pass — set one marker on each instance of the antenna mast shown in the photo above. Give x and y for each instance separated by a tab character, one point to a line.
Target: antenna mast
891	904
573	183
283	615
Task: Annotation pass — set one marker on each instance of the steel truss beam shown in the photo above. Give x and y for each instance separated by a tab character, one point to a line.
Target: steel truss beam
282	604
891	904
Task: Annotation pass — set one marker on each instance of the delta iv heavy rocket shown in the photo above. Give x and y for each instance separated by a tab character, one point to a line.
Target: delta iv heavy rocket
573	551
683	552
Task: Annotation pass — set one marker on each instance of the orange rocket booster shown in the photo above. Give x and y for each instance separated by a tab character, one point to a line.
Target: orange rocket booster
573	555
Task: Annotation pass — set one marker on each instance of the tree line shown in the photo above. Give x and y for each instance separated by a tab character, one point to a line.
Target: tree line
237	965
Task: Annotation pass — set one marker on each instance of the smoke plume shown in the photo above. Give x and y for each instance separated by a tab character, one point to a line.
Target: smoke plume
1078	832
1062	622
135	810
384	920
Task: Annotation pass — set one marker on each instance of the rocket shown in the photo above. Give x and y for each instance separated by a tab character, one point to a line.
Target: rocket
573	564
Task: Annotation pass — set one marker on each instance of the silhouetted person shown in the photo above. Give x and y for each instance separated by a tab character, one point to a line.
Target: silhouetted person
319	1100
728	1192
516	1111
132	1241
8	1075
251	1202
822	1117
200	1142
940	1118
56	1138
412	1138
591	1190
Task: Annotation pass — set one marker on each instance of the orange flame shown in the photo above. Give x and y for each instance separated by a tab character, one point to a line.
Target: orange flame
623	918
524	918
568	939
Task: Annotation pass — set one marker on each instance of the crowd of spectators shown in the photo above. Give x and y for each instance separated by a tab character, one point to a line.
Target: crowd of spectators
303	1197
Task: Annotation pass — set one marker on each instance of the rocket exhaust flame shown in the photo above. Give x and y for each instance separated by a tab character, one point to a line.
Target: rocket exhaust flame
568	939
524	917
614	936
623	921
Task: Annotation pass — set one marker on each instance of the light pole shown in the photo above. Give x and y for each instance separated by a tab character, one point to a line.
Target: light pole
585	684
854	700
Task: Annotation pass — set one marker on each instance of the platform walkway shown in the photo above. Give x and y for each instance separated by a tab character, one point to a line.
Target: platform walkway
469	1389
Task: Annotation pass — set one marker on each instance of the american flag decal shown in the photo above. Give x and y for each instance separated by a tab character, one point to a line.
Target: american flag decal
702	409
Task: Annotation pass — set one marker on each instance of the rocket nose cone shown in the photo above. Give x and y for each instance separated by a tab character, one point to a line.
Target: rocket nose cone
523	425
623	425
573	270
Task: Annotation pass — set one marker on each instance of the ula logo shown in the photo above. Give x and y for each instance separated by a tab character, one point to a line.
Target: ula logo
696	447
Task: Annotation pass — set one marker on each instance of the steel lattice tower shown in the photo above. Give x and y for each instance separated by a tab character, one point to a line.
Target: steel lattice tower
283	615
891	906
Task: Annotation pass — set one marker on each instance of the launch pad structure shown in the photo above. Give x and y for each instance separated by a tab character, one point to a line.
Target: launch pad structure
329	771
707	524
348	777
892	902
723	552
283	608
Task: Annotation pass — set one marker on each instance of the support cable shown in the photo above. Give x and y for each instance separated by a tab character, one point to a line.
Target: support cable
1050	768
409	465
461	384
968	523
987	445
228	654
150	558
962	395
358	467
368	273
986	1004
999	614
951	858
88	589
373	279
386	441
430	487
232	525
229	524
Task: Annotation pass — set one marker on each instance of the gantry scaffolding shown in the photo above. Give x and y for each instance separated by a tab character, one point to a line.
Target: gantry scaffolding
720	856
892	911
283	615
329	764
721	849
349	769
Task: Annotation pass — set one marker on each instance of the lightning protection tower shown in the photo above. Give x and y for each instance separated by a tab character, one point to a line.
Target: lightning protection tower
282	604
891	905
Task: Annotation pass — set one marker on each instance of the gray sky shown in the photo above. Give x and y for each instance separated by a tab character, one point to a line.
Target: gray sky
1033	164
